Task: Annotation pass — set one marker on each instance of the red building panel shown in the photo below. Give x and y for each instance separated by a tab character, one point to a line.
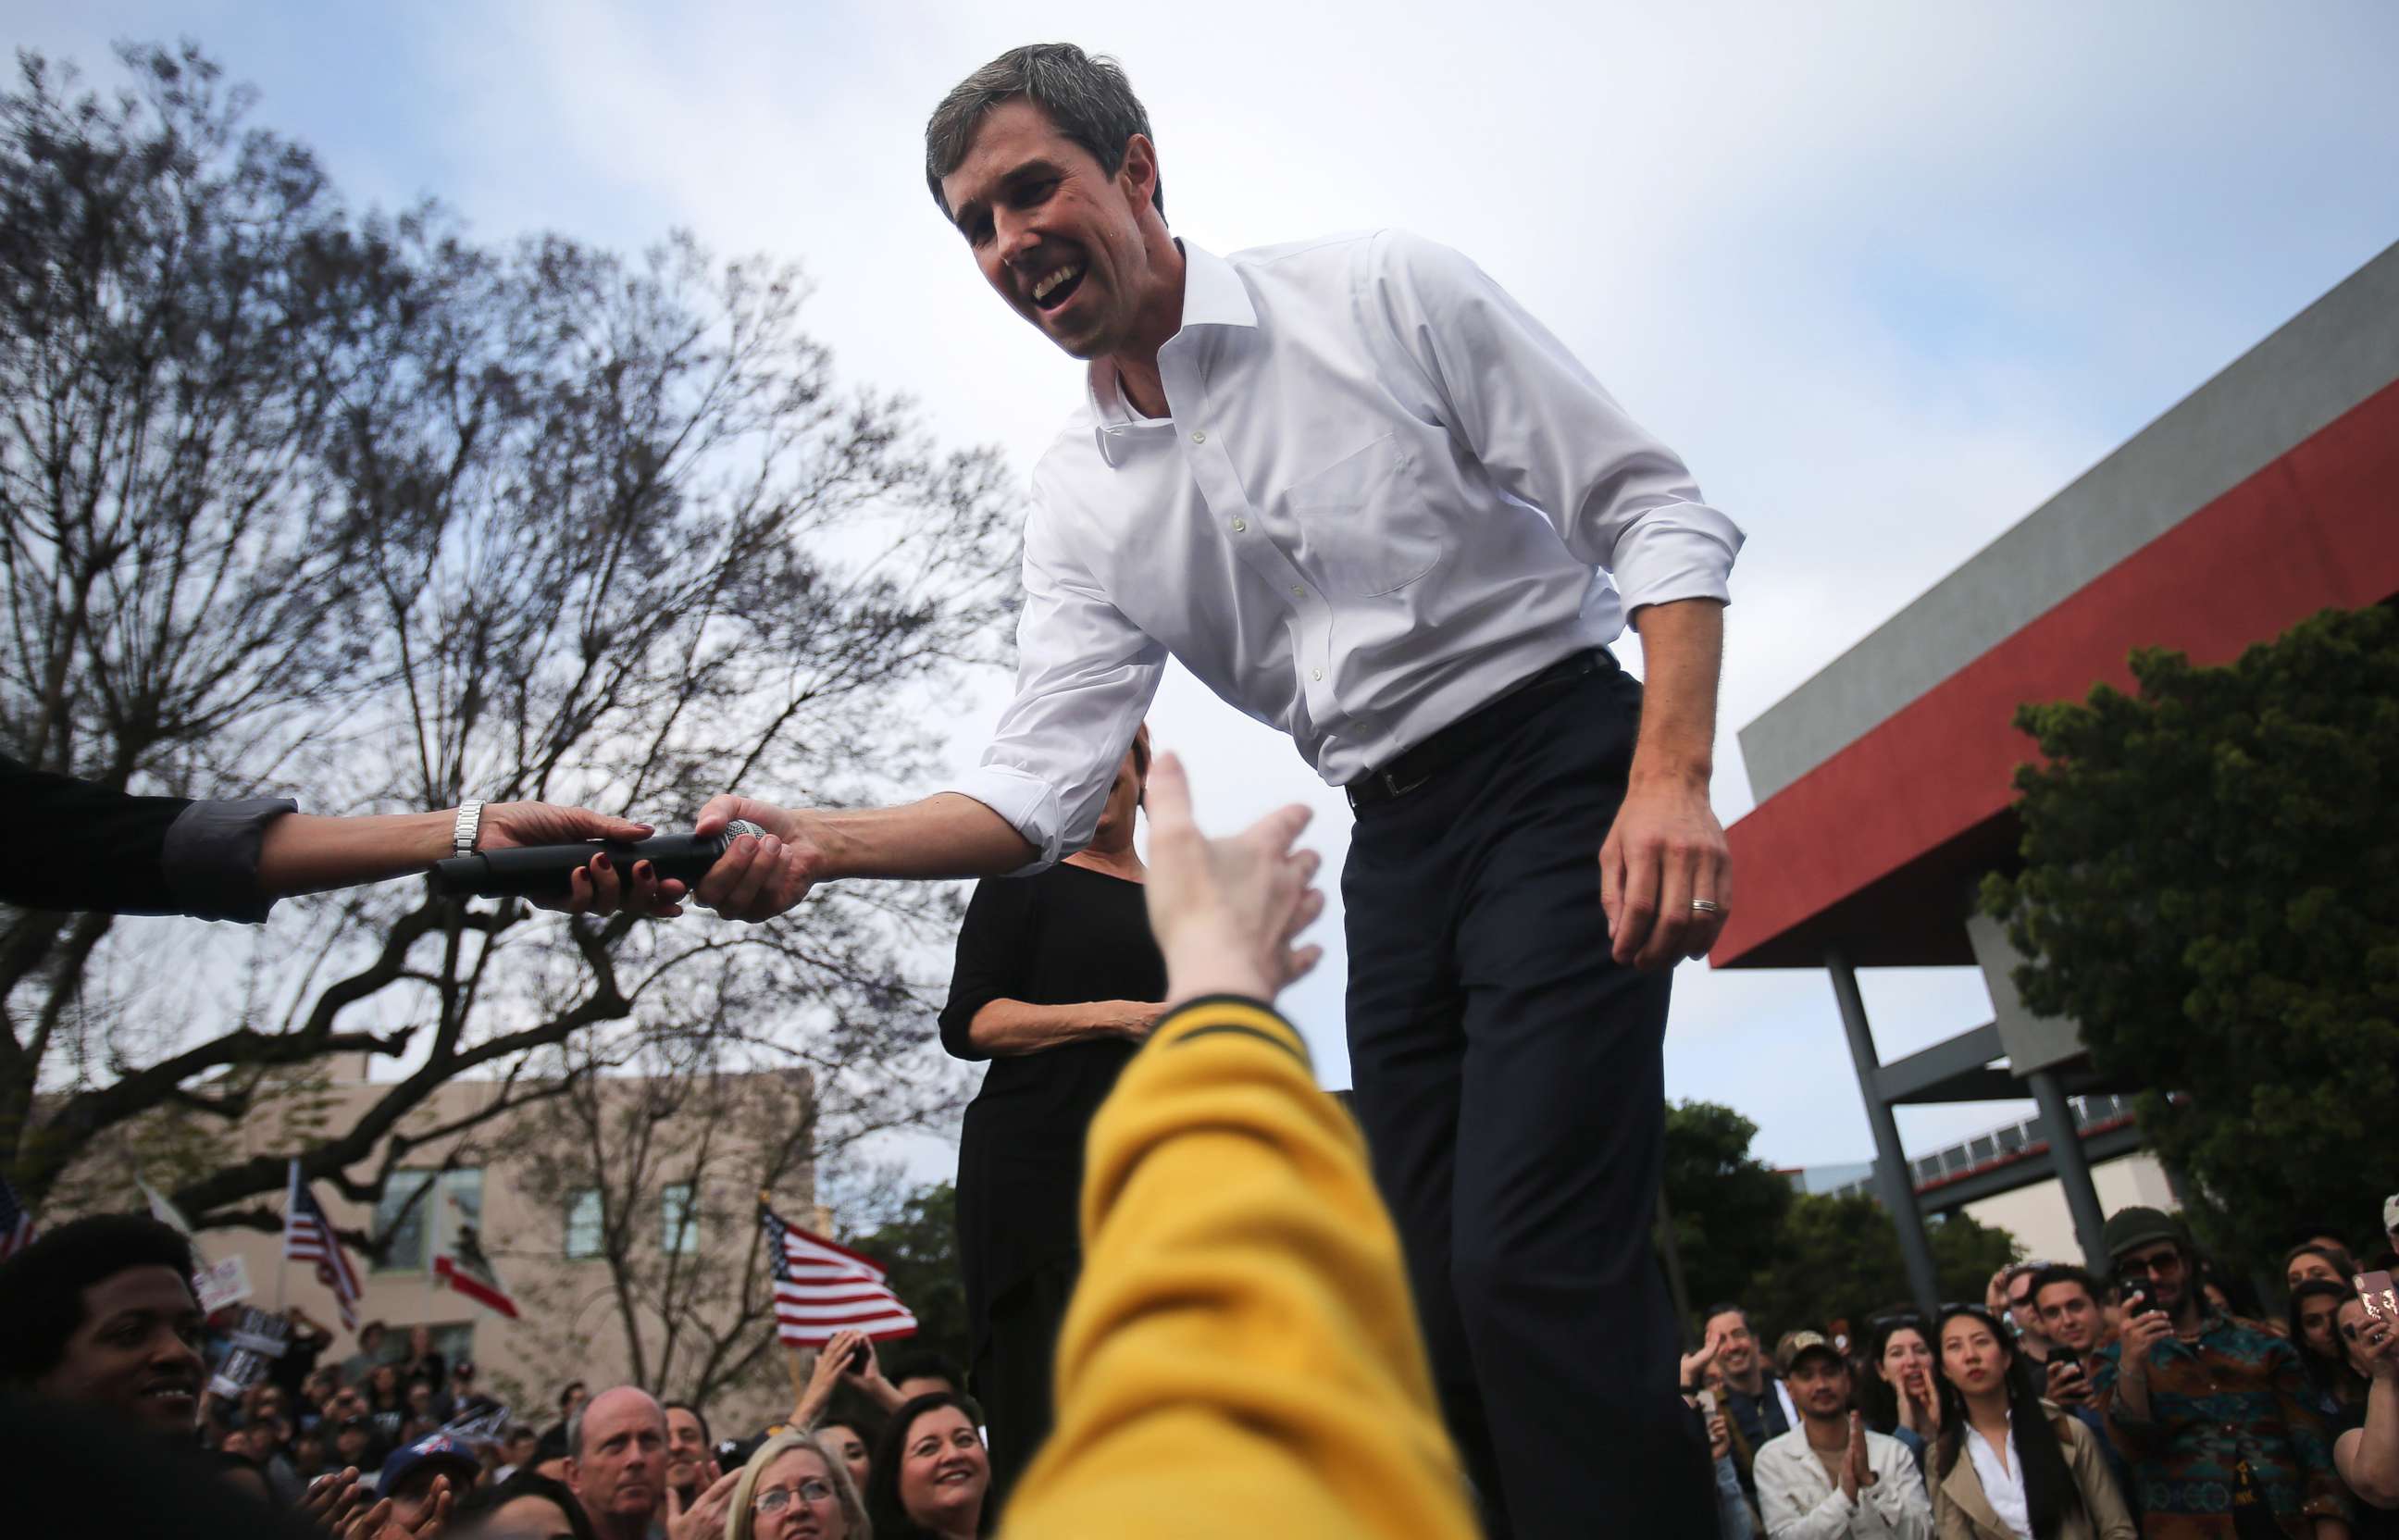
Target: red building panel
1873	848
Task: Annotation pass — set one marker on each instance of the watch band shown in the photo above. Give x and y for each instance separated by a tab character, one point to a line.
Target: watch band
469	827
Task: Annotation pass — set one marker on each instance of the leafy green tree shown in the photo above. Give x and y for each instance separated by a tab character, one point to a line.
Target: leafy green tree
2211	888
1728	1206
1837	1257
919	1249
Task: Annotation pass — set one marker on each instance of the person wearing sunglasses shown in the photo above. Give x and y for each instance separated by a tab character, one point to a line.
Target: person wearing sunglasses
793	1490
2214	1412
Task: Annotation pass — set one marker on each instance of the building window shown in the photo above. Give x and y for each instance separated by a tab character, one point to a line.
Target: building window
678	1218
583	1224
420	1210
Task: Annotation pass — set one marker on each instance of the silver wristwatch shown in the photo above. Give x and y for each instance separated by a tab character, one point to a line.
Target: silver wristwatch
467	830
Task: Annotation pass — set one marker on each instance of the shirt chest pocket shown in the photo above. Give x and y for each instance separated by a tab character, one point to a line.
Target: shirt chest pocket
1363	528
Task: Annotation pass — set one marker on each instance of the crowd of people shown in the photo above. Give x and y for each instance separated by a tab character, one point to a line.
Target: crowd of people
2154	1399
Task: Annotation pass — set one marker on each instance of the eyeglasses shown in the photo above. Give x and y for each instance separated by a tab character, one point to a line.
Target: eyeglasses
2163	1264
779	1498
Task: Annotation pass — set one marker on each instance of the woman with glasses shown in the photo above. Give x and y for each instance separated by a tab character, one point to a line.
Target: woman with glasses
2006	1465
792	1488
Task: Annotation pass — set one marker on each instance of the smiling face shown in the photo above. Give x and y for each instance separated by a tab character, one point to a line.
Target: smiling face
1739	1355
135	1350
1973	1357
943	1471
1081	255
808	1508
686	1447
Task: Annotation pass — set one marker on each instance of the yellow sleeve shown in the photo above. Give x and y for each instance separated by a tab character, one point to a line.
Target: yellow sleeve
1242	1350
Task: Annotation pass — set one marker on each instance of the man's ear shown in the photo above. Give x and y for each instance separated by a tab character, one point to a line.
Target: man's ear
1139	170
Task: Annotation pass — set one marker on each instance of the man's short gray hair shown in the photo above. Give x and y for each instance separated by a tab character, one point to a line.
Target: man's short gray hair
1085	95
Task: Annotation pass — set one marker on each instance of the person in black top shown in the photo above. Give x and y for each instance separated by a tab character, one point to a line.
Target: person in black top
1058	982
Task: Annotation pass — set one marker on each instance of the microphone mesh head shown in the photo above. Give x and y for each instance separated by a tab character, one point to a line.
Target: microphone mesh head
743	826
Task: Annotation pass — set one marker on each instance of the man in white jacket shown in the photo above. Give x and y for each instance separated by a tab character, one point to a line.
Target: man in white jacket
1830	1479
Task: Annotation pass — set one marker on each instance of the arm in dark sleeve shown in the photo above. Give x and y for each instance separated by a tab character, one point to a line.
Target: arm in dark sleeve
90	847
994	942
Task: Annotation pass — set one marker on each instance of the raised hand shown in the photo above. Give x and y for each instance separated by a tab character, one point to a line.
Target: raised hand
333	1501
706	1516
1700	1358
1225	912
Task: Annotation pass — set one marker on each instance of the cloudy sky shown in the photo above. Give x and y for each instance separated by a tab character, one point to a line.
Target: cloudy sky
1887	275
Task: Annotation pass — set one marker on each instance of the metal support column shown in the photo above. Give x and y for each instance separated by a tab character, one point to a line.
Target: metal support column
1891	1172
2064	1137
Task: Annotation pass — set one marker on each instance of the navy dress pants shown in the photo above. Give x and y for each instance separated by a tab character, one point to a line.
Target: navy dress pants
1509	1077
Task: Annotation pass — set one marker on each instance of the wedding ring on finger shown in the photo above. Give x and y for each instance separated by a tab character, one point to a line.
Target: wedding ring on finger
1706	906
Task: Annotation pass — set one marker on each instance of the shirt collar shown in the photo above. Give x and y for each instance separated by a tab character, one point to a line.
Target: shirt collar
1213	295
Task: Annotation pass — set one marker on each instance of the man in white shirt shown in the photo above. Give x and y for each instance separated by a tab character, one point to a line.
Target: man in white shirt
1830	1477
1367	498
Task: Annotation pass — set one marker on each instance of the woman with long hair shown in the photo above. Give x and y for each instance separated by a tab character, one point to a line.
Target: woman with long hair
2315	1332
931	1472
2006	1465
1902	1396
793	1485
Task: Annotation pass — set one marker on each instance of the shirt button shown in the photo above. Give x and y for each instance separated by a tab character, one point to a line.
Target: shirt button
1199	436
1316	673
1239	525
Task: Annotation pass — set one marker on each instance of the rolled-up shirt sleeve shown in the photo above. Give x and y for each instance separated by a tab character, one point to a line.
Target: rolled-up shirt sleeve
1548	432
211	857
1085	676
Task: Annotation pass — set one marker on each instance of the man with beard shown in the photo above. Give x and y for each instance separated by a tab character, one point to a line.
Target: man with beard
1830	1476
100	1311
1758	1403
2212	1412
1367	499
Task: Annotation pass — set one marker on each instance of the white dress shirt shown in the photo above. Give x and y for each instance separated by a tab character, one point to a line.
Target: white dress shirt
2002	1480
1798	1500
1382	494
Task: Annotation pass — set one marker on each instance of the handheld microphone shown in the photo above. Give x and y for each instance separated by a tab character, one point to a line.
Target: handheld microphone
541	870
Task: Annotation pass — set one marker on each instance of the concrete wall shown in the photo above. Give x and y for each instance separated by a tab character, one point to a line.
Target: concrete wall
2037	1216
2320	364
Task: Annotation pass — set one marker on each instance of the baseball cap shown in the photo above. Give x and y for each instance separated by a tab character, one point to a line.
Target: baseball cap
1796	1345
2130	1227
439	1451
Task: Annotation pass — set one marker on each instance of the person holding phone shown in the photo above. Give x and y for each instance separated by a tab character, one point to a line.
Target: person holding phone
2366	1453
2214	1413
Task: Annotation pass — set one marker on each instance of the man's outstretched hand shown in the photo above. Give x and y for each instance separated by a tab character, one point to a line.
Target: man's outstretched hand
757	878
1227	912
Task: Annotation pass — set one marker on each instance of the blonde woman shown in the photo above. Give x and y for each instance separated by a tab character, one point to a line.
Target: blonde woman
793	1490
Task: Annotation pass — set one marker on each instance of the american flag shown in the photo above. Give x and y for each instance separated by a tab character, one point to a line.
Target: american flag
16	1225
309	1236
821	1288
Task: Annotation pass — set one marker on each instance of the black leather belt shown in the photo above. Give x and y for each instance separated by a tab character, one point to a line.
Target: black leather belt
1470	732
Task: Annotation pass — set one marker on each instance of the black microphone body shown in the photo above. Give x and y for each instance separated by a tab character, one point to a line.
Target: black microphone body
542	871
